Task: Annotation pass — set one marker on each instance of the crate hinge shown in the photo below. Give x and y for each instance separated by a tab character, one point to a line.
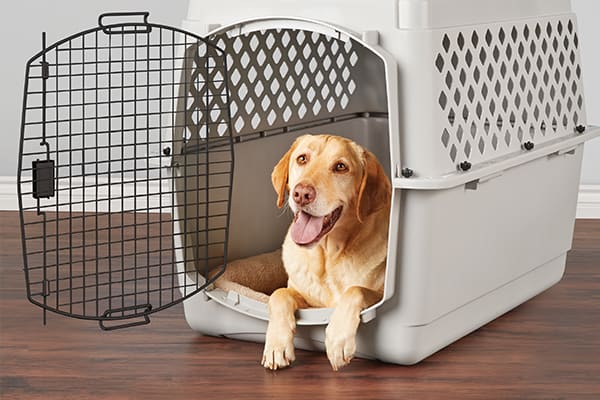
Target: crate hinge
45	69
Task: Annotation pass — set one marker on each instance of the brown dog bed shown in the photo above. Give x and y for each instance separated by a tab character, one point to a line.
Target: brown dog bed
255	277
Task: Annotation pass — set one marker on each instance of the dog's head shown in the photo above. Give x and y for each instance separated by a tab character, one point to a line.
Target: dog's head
329	179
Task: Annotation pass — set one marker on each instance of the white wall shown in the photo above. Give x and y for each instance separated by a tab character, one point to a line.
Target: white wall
21	24
588	12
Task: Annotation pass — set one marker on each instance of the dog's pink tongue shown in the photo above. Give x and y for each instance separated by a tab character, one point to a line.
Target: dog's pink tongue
306	228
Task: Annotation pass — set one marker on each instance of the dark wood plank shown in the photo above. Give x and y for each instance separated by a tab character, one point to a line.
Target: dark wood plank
548	348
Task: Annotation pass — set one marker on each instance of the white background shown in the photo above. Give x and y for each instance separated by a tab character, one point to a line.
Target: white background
21	24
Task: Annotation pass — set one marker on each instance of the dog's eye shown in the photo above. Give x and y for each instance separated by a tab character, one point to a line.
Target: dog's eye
302	159
340	167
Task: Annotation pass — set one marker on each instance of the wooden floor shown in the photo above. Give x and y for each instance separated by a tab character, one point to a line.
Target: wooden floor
548	348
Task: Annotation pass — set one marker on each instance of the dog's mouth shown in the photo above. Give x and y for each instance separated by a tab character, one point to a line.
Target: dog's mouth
308	229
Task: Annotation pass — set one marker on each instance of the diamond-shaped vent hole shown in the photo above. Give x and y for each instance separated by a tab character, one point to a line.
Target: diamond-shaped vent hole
302	111
261	57
344	101
446	43
439	62
475	39
459	133
330	104
276	55
287	113
249	106
255	121
271	118
481	145
258	89
281	100
443	100
467	149
352	86
316	107
353	59
239	124
283	70
266	102
235	77
453	152
445	138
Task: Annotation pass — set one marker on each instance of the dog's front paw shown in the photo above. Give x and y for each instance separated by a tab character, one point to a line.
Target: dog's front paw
278	353
340	344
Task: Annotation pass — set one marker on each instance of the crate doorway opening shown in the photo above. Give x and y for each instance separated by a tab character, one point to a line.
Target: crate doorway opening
285	83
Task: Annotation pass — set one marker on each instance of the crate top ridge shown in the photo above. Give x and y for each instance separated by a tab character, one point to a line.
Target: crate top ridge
382	15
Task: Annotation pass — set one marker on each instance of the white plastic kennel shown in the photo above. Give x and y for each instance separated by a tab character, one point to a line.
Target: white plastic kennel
475	108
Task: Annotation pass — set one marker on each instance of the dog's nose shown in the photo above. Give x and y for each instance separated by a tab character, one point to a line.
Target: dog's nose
304	194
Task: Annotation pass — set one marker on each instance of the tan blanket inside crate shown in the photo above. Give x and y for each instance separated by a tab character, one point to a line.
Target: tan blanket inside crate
255	277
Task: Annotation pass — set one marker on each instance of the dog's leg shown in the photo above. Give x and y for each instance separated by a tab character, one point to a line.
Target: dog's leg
279	343
340	335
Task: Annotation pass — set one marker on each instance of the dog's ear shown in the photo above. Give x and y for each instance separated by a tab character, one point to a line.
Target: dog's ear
375	190
279	176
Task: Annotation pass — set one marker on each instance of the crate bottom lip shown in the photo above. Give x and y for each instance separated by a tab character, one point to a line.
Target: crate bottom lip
257	309
495	167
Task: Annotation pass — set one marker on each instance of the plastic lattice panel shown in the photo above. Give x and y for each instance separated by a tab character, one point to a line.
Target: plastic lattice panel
281	77
508	84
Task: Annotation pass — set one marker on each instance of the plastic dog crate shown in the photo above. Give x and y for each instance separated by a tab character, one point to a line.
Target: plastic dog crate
476	108
131	130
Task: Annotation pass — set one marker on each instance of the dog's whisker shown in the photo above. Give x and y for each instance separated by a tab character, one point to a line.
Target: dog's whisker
284	210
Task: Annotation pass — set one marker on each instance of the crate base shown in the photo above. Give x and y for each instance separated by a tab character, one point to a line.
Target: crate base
412	344
378	339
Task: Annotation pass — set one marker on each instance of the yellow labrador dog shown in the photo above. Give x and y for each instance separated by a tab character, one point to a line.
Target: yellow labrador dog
335	250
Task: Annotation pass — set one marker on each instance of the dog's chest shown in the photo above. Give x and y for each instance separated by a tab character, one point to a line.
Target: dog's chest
322	282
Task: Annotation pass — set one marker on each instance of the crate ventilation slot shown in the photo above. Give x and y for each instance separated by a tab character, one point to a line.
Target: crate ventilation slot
504	85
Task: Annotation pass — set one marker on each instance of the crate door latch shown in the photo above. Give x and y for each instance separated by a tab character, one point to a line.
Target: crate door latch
43	179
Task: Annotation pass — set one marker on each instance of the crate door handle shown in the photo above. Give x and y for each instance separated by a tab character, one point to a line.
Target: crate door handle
146	309
121	23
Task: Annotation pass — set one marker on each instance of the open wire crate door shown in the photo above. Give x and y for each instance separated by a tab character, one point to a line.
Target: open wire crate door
125	170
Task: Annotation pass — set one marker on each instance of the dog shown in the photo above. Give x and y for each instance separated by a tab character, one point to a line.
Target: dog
335	250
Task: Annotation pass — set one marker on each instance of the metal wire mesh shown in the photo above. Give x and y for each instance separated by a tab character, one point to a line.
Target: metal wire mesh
121	123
